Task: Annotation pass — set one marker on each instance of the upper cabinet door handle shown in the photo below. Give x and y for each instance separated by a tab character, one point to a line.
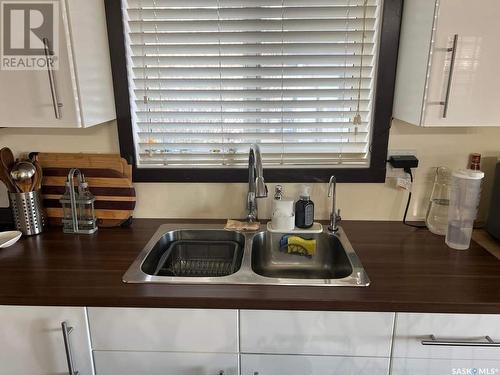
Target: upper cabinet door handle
453	51
67	346
434	341
52	82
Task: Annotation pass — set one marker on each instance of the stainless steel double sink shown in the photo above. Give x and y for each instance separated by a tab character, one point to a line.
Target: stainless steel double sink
208	254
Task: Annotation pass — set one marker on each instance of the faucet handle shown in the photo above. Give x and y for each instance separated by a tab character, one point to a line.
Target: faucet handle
334	221
336	216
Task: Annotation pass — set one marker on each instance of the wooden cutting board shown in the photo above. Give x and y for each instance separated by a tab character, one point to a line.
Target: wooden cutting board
80	160
109	179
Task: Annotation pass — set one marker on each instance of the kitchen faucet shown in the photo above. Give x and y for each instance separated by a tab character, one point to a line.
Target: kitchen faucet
335	214
256	185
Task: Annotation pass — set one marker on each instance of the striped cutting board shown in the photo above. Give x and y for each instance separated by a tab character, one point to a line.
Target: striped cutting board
112	187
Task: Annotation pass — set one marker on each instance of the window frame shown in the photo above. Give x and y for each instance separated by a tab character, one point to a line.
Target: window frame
382	115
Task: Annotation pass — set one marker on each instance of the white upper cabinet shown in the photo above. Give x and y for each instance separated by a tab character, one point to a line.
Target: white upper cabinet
76	93
448	63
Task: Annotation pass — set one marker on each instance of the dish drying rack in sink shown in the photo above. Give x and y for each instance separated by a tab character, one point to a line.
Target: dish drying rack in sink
192	258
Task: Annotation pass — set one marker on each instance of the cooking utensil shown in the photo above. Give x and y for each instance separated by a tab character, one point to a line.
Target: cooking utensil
6	164
7	180
9	238
7	158
37	178
22	174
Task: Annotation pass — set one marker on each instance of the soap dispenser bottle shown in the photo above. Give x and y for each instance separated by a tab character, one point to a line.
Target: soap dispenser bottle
304	209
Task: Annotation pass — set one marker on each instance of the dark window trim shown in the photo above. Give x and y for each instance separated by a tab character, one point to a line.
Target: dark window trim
386	77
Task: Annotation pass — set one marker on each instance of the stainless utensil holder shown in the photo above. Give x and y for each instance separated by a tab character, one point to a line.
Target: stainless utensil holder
28	213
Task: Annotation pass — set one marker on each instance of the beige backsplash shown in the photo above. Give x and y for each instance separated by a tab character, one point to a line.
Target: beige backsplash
434	147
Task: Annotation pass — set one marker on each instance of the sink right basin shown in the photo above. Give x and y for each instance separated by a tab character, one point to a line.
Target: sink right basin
334	262
330	260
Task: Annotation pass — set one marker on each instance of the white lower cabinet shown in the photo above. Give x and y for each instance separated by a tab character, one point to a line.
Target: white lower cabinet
367	334
415	366
165	363
31	340
165	330
451	344
271	364
131	341
466	329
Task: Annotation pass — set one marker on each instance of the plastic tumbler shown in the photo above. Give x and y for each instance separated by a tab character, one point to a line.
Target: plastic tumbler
464	201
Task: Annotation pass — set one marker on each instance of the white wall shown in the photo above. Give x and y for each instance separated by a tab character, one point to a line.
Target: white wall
434	147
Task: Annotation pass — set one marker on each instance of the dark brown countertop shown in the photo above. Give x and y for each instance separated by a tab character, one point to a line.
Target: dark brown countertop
410	270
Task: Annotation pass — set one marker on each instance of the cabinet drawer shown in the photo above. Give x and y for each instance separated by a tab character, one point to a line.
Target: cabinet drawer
191	330
272	364
412	366
312	332
164	363
411	329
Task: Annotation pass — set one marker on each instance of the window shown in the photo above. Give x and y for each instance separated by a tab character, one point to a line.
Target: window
207	78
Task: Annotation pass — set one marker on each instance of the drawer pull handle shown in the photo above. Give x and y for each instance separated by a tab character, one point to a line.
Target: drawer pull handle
67	346
433	341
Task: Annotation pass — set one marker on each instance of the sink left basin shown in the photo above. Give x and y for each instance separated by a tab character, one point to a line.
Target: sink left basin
188	254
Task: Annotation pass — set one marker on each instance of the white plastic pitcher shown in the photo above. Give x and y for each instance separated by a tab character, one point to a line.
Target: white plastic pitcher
464	201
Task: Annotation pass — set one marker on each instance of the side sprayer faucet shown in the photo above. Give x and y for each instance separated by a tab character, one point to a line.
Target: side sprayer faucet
256	185
335	214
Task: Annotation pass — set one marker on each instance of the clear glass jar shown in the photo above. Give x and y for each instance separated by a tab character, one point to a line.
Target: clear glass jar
67	219
437	212
85	207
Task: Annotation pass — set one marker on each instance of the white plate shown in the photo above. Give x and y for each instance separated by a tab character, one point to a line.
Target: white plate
9	238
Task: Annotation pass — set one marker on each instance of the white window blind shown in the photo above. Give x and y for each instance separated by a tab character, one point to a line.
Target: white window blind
208	78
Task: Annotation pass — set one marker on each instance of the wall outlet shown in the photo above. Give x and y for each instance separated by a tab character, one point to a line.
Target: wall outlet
397	172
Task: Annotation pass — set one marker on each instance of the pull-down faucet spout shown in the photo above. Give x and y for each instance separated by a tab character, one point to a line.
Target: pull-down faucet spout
256	185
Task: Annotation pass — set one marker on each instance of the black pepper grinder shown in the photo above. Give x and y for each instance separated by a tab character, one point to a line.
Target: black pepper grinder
304	209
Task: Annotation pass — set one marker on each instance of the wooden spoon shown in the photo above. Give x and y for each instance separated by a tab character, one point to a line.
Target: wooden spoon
5	178
6	163
37	178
